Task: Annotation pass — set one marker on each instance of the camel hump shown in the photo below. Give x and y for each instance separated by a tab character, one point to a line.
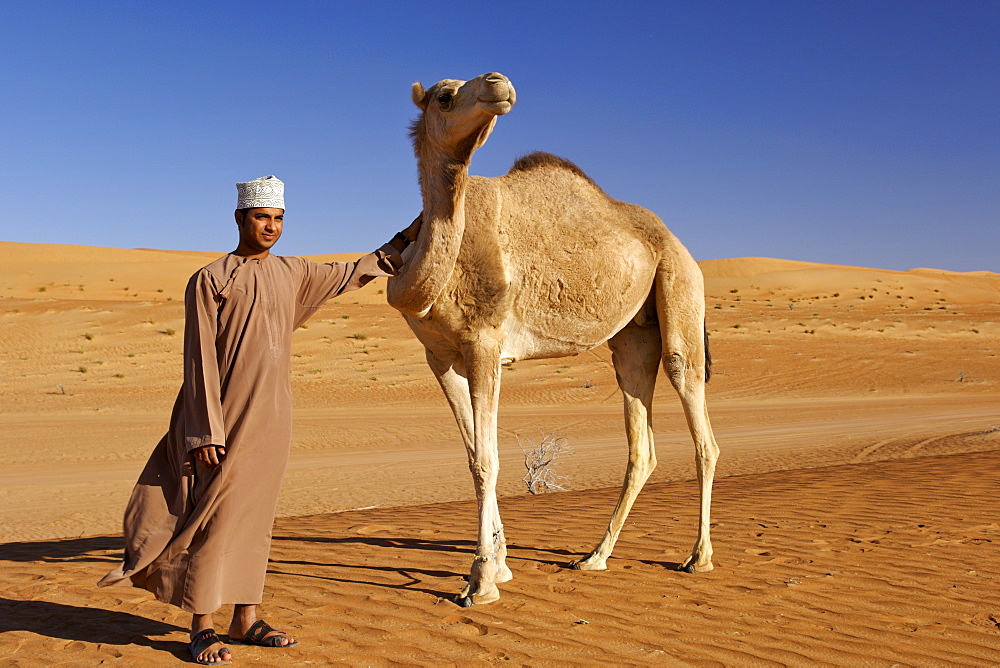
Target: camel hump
543	160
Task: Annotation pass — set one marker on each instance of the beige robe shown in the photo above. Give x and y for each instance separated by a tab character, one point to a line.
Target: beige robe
198	536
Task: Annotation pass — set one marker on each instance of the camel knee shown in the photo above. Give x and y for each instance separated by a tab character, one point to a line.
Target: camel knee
686	366
676	368
711	452
642	461
484	474
708	451
707	455
640	467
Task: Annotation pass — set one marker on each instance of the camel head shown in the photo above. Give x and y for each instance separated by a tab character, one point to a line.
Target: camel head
458	116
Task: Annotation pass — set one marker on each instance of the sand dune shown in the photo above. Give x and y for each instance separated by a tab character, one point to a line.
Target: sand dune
857	410
795	279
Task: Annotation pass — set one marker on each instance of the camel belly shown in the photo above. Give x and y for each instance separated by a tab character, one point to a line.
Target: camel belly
561	336
571	299
560	317
521	343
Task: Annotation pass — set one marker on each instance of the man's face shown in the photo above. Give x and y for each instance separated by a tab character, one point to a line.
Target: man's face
259	228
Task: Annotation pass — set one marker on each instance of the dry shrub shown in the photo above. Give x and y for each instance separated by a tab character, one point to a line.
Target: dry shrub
540	459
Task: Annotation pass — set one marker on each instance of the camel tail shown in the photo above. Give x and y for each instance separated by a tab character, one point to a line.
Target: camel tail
708	355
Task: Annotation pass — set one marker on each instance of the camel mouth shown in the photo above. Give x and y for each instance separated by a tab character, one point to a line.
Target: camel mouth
497	95
498	107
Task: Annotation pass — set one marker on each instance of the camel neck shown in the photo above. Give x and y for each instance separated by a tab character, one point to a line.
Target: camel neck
442	184
430	264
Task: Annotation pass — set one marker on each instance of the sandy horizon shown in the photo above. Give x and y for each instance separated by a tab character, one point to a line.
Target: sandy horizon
857	411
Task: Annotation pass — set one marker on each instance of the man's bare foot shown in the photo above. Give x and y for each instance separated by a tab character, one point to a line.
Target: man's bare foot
207	649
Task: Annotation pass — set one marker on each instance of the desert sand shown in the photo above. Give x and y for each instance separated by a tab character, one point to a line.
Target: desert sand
858	412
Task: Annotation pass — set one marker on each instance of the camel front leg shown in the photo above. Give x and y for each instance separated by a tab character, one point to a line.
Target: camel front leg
482	361
450	370
635	352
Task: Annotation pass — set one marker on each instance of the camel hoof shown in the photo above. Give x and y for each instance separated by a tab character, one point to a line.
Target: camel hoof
483	597
468	598
692	567
587	565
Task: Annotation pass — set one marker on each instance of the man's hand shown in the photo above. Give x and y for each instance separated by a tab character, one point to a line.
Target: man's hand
210	455
403	239
413	230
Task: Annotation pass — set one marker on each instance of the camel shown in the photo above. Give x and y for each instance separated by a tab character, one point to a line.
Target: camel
541	263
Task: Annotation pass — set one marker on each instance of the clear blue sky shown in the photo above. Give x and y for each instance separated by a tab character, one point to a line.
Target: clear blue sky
862	132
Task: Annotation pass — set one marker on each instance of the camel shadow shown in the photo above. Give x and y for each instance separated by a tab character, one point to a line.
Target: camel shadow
668	565
91	625
455	546
65	550
396	543
411	582
564	559
571	557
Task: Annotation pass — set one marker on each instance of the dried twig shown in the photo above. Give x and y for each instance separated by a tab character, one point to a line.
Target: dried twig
540	460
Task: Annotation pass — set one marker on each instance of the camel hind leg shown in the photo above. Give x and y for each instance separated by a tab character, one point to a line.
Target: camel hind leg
680	305
635	352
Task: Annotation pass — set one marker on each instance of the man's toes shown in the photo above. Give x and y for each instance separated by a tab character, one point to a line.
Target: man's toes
216	656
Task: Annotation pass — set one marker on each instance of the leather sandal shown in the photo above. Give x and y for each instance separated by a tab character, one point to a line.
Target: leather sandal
202	641
256	636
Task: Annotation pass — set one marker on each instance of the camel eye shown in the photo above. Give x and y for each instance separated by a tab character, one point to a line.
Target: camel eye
444	99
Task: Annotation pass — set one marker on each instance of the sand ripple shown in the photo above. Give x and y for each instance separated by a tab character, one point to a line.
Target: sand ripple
873	564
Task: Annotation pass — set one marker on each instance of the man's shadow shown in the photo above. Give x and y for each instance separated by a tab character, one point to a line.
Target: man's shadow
91	625
80	623
65	550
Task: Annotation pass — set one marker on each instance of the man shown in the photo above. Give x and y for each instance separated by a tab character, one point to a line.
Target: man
198	524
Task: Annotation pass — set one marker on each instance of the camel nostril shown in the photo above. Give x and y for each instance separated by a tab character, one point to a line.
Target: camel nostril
495	77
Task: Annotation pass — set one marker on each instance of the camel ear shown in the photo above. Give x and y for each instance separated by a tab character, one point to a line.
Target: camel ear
420	96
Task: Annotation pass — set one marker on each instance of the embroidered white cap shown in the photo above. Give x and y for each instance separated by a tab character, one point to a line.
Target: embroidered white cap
267	191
